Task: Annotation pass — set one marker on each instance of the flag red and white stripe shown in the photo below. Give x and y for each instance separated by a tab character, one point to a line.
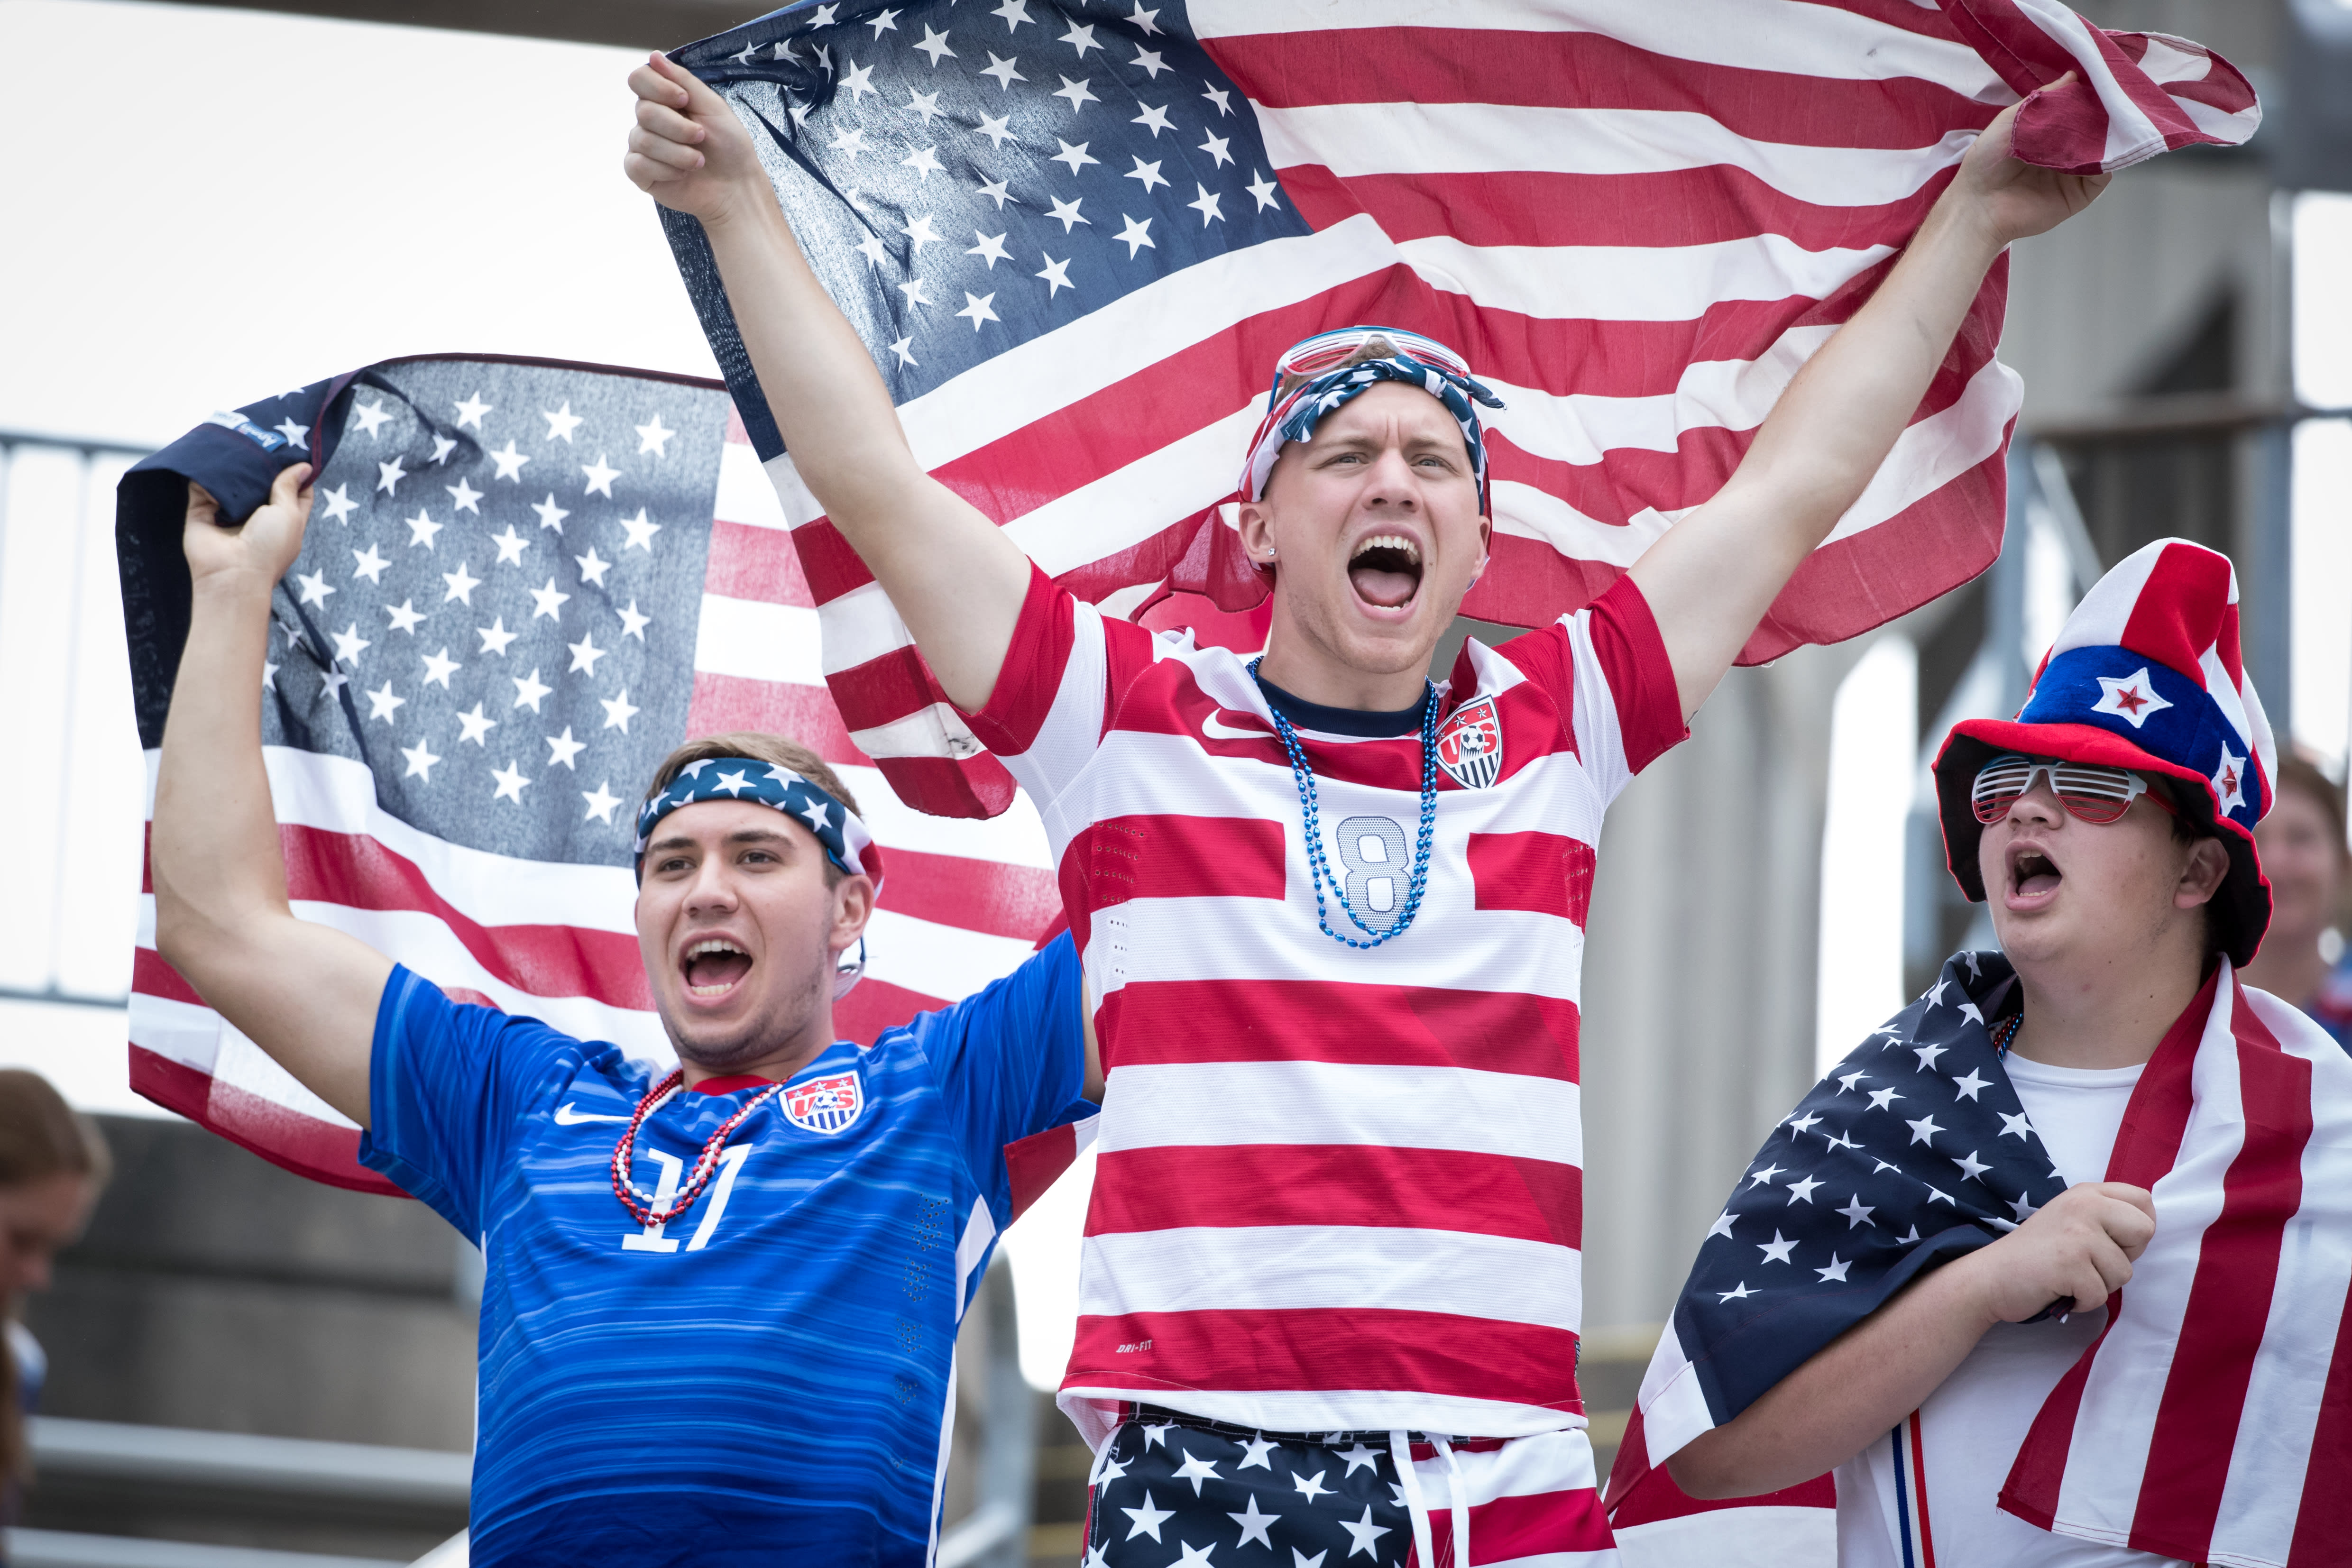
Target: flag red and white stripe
967	901
2212	1419
1637	221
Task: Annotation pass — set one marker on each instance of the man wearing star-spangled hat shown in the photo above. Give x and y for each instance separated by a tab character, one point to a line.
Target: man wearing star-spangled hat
2066	1281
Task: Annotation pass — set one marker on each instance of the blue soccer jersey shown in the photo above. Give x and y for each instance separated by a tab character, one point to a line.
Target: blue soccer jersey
766	1378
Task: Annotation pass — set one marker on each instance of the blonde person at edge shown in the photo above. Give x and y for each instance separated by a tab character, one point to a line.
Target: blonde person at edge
1289	1314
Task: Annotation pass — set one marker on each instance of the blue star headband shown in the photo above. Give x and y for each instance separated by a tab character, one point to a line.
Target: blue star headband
846	842
1417	362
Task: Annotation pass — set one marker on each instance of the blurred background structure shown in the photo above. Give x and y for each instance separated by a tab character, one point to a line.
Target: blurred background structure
249	1371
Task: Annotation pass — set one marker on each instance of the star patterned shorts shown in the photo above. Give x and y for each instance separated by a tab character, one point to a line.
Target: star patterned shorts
1170	1489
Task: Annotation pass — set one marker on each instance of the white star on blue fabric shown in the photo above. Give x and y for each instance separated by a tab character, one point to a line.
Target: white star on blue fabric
2132	699
1197	1469
1363	1533
1148	1518
1254	1524
2228	780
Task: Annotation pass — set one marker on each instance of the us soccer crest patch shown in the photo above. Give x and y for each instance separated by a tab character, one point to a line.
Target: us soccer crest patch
827	1105
1470	746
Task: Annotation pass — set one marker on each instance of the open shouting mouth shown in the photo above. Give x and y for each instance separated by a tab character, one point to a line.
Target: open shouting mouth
1385	570
2033	877
713	967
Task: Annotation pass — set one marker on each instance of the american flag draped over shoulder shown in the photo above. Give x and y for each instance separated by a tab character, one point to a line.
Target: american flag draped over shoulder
2205	1420
1076	235
524	585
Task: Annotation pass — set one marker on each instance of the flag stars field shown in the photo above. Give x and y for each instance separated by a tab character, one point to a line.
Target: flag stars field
552	675
1130	110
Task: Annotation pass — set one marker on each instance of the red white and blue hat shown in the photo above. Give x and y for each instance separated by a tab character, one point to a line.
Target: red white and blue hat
2146	675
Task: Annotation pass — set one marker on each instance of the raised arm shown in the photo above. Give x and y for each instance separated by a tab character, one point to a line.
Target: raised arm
305	993
1712	575
2079	1246
957	580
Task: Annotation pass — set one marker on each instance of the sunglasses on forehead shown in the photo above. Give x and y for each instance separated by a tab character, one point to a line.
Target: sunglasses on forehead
2090	793
1330	350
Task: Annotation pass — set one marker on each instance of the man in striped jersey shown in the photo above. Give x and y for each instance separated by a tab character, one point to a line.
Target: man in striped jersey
773	1379
1331	913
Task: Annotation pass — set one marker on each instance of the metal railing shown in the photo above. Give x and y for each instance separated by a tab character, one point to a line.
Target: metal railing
236	1461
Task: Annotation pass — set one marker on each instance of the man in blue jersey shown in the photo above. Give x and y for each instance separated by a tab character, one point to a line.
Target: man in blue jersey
719	1313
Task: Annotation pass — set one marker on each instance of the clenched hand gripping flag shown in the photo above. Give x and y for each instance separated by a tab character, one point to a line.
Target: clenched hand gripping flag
524	583
1075	234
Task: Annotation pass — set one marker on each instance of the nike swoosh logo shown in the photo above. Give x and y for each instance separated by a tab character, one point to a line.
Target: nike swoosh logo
565	1116
1216	728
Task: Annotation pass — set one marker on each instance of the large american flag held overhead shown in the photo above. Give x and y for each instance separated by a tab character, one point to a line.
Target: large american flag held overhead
1075	234
524	585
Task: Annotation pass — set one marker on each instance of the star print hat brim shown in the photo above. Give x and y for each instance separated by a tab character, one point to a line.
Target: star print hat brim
2146	675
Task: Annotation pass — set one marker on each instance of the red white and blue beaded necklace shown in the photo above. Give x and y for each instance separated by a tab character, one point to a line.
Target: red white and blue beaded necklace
625	1187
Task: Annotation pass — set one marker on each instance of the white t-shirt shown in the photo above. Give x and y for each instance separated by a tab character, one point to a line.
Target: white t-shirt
1968	1431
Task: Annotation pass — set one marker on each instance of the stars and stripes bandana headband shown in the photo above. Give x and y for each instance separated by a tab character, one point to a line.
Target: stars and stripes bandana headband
1417	362
846	842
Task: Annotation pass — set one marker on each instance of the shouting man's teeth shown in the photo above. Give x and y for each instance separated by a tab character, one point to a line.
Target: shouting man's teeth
714	967
1386	569
2035	874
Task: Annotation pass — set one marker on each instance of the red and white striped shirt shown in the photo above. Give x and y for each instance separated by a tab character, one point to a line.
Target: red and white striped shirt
1339	1189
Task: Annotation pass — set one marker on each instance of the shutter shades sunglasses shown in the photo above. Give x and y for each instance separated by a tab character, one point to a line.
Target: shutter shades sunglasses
2090	793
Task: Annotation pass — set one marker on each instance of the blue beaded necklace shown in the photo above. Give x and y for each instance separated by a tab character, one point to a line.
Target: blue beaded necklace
1304	778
